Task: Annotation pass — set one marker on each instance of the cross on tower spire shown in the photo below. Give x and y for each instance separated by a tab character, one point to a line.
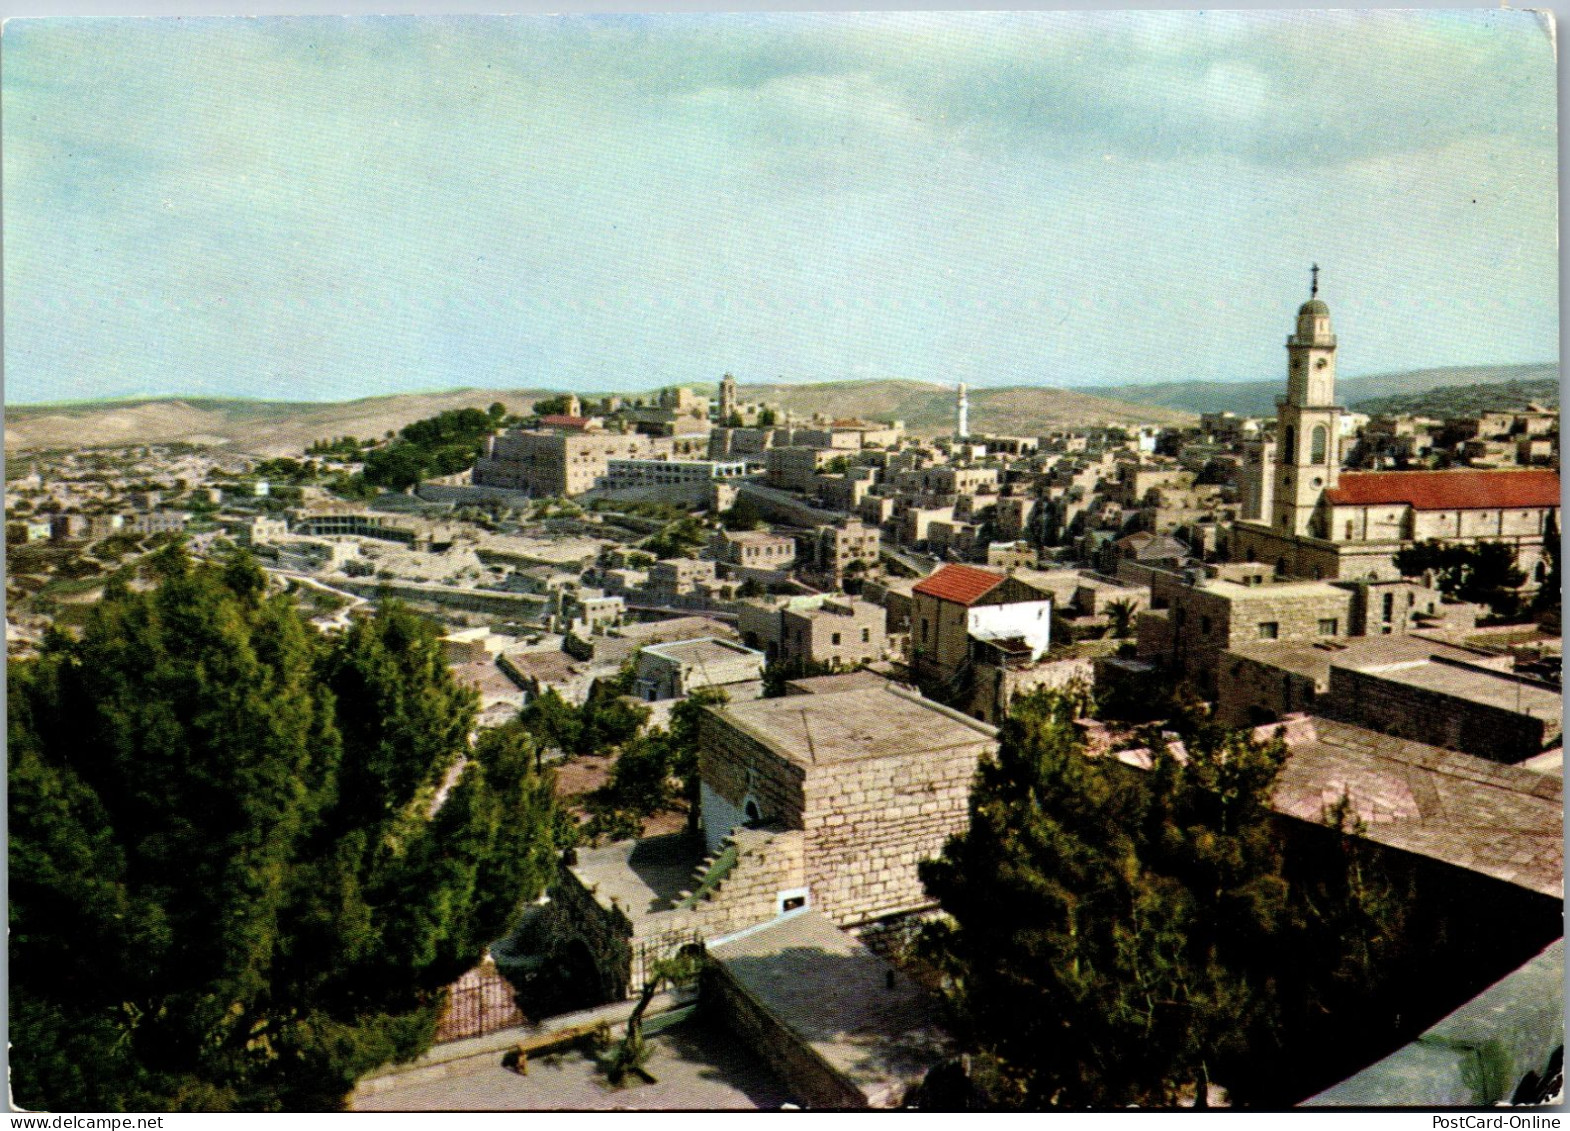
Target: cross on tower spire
1313	287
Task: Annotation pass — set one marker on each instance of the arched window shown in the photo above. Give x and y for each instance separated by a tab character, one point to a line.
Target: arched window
1288	444
1317	448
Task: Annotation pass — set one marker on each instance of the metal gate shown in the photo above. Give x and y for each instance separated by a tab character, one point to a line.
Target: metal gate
480	1002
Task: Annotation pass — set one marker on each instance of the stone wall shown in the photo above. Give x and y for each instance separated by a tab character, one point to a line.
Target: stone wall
869	823
1421	715
739	766
814	1083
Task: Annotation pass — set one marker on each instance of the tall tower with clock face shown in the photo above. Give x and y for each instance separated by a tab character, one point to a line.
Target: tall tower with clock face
1308	421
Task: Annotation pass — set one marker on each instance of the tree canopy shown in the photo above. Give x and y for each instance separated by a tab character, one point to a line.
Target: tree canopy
1484	573
241	869
1119	936
443	444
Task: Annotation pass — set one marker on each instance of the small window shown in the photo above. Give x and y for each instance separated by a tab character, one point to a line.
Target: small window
1349	528
866	636
1204	626
835	640
1269	629
1328	626
923	630
793	903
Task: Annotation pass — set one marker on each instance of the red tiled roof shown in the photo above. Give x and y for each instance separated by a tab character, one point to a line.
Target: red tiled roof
962	584
559	421
1447	490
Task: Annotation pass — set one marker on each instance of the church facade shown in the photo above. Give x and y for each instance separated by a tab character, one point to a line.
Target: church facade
1307	517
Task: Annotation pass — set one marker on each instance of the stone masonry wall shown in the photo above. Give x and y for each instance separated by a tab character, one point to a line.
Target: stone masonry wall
814	1083
1405	711
769	861
870	822
737	766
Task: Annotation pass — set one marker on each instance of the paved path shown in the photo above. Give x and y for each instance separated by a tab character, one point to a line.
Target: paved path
696	1066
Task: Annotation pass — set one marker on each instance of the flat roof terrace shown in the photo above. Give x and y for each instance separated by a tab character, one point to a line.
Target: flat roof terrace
868	722
1313	659
1498	820
1502	690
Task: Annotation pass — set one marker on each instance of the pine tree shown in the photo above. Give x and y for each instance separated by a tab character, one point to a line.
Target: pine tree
233	882
1119	936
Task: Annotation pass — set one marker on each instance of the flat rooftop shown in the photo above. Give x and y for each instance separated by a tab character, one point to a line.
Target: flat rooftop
830	684
1501	821
642	877
867	722
872	1026
1500	690
704	651
1236	591
1313	660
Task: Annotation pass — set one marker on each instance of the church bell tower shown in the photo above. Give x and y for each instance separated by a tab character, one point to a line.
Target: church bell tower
1308	421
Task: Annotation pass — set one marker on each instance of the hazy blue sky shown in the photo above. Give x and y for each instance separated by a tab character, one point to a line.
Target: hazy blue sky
312	208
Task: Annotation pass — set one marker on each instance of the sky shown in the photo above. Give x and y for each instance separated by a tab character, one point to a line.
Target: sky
301	208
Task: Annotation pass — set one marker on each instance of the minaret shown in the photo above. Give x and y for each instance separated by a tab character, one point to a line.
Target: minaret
727	399
1308	421
962	430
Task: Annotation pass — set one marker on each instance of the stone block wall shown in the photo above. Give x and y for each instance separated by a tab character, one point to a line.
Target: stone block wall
869	823
814	1083
739	767
769	862
1416	713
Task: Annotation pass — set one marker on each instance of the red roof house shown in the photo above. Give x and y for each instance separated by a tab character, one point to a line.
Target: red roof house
961	584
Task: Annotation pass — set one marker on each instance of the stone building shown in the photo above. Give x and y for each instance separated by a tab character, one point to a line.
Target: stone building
675	670
836	547
823	802
756	550
1264	681
680	576
1305	516
840	631
1193	620
874	779
793	468
1454	703
959	602
550	463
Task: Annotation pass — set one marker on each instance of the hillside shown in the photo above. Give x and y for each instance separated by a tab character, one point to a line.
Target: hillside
928	409
1466	400
269	428
274	428
1258	398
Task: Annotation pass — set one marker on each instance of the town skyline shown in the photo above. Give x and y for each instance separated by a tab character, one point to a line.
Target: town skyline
314	209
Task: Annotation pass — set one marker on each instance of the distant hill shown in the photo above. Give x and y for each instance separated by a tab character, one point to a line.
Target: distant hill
274	428
1258	398
269	428
1466	400
928	409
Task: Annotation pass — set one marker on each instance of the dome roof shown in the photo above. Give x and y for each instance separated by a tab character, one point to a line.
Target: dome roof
1315	308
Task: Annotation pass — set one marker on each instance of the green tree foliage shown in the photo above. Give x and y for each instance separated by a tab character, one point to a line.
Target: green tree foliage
553	406
1484	573
1120	618
743	515
777	674
1120	936
443	444
1551	591
606	720
767	418
234	883
677	539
